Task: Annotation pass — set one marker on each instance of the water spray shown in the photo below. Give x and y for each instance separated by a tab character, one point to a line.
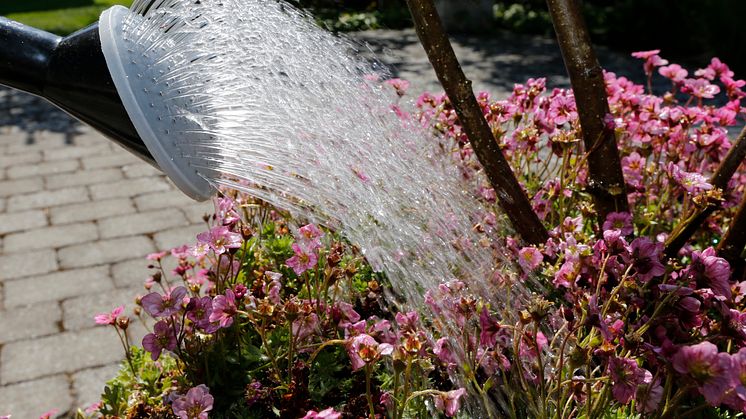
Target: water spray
253	95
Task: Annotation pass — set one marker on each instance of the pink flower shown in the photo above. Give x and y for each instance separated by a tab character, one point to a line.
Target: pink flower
199	311
646	259
710	369
166	305
363	349
329	413
163	337
692	182
156	256
449	402
700	88
311	235
649	394
195	404
673	72
489	329
530	258
223	309
49	414
225	214
302	260
304	326
220	239
626	376
399	85
109	318
652	60
621	221
181	252
442	349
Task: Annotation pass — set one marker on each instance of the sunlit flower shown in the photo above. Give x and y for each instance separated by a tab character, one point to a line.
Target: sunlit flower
303	259
109	318
164	305
162	338
220	239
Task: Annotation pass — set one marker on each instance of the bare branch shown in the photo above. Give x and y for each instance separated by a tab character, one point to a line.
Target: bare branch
733	243
510	195
692	221
606	181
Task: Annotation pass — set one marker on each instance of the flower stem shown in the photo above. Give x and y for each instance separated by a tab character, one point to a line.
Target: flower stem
368	394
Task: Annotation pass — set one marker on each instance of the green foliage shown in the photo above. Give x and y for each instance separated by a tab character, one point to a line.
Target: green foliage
128	393
57	16
331	377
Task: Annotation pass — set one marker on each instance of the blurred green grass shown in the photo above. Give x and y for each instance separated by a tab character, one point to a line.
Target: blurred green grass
58	16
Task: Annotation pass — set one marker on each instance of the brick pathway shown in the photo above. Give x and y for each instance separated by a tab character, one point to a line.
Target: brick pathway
77	215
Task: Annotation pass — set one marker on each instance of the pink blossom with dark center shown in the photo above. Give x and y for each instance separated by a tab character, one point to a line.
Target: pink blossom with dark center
109	318
195	404
303	259
199	311
646	259
450	402
164	305
364	349
162	338
710	369
530	258
220	239
621	221
626	376
329	413
224	309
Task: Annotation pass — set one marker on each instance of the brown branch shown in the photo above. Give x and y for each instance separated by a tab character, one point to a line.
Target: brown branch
606	181
692	221
733	243
510	195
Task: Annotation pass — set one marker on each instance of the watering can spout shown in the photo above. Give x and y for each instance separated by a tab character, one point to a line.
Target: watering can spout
71	73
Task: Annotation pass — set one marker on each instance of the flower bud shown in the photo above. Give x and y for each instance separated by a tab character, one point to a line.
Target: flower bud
123	322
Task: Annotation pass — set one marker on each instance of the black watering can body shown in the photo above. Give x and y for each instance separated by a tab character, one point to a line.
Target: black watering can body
71	73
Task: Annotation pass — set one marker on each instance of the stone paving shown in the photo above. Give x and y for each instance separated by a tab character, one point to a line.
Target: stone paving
78	214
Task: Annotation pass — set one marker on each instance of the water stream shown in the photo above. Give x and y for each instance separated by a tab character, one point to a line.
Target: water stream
289	114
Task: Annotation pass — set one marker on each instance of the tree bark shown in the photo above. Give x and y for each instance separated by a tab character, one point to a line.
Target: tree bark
692	221
733	243
606	181
510	195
